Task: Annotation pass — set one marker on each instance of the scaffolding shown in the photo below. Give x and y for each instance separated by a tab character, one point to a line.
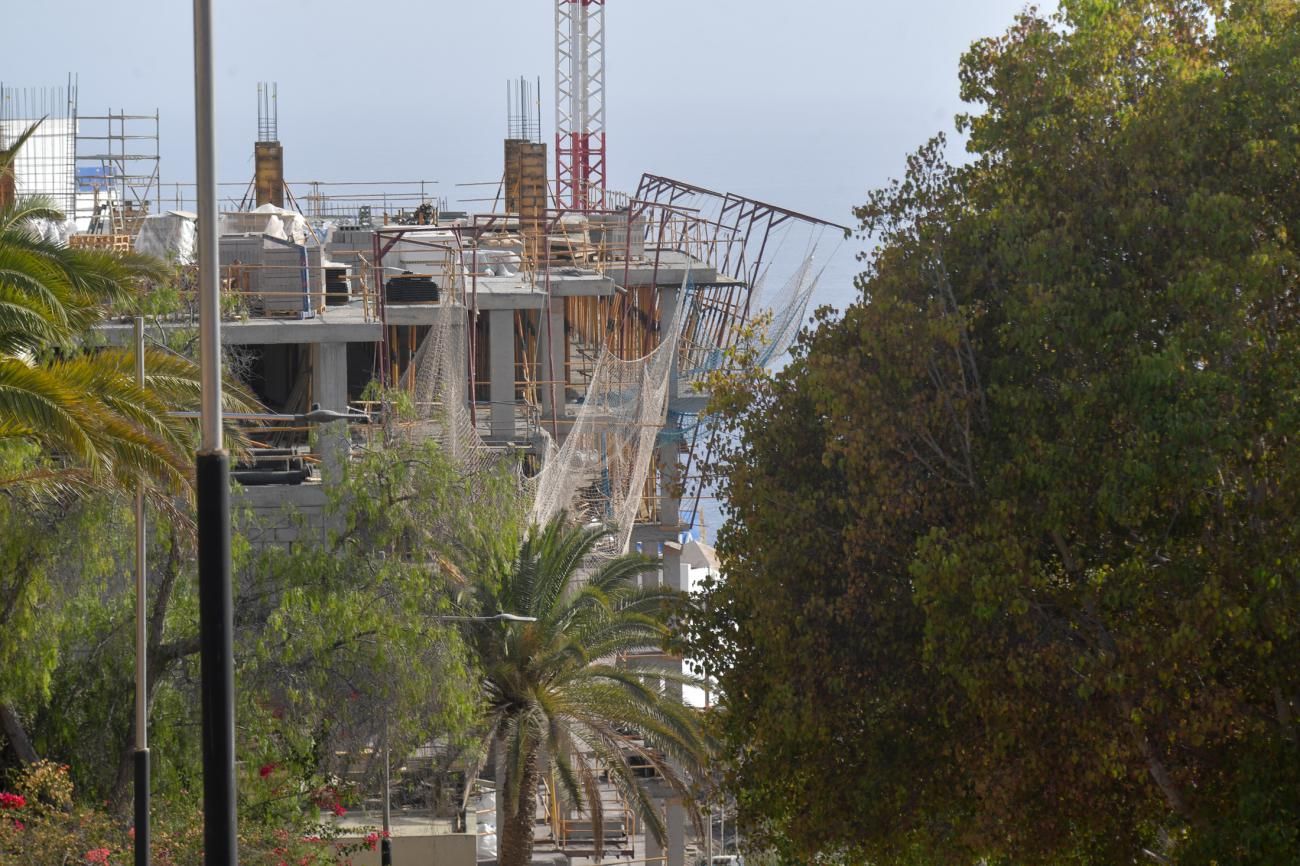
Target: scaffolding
118	183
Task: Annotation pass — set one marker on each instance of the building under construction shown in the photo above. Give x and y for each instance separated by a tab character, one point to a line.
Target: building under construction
567	322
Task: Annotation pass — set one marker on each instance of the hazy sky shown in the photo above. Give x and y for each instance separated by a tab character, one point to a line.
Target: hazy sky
803	104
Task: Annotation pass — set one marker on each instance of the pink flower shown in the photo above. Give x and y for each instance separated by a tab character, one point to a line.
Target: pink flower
19	825
372	840
338	809
98	855
266	770
12	801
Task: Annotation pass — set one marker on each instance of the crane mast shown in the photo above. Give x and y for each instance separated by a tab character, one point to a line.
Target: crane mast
580	104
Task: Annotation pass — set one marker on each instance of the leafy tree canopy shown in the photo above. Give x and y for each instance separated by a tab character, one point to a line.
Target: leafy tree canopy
333	634
1012	557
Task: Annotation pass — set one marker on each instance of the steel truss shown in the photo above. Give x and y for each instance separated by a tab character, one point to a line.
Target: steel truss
580	168
738	234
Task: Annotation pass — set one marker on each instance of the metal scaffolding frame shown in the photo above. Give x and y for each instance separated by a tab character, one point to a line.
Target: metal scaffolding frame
117	161
748	221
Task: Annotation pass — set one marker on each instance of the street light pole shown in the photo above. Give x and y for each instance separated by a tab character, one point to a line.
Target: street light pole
386	844
212	490
141	648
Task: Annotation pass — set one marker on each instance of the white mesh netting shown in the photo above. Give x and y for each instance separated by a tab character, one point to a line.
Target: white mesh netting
787	311
600	471
440	394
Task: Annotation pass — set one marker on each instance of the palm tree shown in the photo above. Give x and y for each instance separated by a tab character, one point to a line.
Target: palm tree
73	418
81	406
566	695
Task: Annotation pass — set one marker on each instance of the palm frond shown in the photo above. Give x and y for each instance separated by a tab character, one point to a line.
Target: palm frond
15	218
554	683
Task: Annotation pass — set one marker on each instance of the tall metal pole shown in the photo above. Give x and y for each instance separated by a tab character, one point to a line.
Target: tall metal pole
386	844
141	648
722	824
212	493
708	835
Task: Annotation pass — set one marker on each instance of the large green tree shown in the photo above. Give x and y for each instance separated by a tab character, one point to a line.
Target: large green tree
332	633
1012	568
73	422
581	691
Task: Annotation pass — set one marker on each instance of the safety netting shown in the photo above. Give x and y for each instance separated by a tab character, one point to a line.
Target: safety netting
440	394
599	472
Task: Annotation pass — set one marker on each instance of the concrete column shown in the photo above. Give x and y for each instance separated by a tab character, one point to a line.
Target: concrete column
670	501
553	365
669	298
329	389
673	566
499	776
652	579
501	373
653	849
676	820
674	575
329	375
667	454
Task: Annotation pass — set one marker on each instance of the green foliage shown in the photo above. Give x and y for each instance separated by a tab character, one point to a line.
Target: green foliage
1012	568
50	828
332	634
49	551
47	824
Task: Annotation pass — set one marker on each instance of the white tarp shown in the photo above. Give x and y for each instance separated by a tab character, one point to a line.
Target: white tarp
169	236
486	807
270	220
50	230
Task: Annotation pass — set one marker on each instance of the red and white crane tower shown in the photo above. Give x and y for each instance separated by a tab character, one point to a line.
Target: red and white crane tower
580	104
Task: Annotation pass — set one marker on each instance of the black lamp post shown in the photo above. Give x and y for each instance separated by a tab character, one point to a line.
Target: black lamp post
212	492
141	757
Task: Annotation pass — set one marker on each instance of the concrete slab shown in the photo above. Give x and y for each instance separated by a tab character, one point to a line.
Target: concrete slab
672	269
344	324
